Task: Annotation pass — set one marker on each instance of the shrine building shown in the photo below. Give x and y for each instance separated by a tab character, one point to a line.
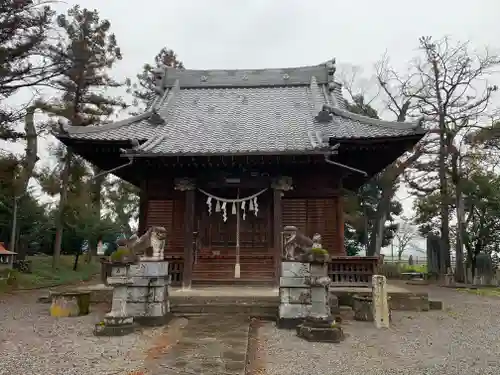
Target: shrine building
226	158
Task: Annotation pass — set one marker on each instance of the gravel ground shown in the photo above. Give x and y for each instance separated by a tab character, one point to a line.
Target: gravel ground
462	339
33	342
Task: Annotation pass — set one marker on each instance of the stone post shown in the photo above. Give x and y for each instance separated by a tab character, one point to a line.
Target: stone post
380	302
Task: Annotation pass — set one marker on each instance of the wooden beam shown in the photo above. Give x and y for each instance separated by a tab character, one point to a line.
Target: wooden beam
189	217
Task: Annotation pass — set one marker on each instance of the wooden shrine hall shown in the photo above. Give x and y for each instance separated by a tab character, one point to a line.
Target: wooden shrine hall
226	158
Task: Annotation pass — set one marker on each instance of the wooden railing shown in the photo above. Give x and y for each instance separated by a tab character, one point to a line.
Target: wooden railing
352	271
175	270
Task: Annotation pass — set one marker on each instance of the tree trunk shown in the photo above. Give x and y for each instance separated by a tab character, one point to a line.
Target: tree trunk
13	233
63	200
96	189
28	166
377	234
459	248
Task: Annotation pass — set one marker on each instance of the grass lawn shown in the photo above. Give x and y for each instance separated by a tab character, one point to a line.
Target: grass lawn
488	292
43	275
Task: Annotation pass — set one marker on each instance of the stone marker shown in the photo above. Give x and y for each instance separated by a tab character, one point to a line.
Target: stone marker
380	302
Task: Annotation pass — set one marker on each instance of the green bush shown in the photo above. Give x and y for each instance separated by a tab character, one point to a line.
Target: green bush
319	251
121	254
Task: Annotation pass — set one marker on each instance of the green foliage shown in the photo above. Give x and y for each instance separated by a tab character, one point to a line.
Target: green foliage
44	276
319	251
24	29
120	254
143	89
362	208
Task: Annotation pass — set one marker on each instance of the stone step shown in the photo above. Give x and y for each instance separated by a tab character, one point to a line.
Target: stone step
255	310
202	280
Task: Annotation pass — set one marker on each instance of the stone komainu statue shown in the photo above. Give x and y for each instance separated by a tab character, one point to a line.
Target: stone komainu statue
297	244
151	244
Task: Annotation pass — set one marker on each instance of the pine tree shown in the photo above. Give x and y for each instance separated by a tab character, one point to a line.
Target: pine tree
85	56
143	90
24	27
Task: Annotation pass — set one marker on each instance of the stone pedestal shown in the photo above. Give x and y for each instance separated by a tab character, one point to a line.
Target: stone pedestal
140	295
320	330
320	326
118	321
147	296
295	293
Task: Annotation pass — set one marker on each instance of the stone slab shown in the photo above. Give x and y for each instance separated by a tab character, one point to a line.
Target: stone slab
287	310
208	345
147	294
139	309
295	295
319	295
295	269
149	281
149	269
319	270
294	282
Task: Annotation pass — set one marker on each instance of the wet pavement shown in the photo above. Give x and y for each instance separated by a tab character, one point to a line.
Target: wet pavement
207	345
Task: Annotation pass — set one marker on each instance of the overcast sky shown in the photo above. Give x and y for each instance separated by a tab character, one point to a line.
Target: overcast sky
232	34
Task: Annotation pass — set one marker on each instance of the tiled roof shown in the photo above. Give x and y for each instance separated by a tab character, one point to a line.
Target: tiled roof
232	112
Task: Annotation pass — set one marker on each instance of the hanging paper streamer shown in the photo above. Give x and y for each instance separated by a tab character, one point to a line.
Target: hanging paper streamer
244	215
221	204
209	204
224	211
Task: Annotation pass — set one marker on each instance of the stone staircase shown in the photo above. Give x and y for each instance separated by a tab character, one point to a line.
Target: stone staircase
255	269
263	307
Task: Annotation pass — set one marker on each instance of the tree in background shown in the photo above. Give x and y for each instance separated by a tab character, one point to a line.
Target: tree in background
143	90
362	218
453	98
24	27
84	55
122	202
404	236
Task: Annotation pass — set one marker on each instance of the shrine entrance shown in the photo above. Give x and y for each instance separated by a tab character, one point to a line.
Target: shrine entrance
234	238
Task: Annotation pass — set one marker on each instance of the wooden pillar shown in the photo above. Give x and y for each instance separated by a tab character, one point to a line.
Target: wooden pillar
340	225
188	187
279	185
277	228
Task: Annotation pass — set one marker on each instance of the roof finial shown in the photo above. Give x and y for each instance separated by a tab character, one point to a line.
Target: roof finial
331	67
159	77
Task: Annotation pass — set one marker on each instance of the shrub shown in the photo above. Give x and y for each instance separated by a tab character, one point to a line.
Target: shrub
319	251
121	254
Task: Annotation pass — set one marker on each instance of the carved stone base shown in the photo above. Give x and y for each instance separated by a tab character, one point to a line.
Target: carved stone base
320	330
115	326
363	308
